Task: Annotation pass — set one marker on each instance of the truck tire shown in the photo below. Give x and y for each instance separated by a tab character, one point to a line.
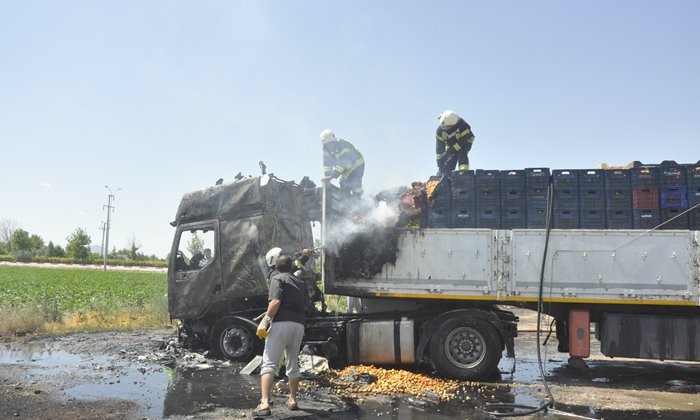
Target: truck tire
466	348
233	340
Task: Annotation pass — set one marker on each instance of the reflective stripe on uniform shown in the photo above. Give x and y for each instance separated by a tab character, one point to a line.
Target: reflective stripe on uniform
464	167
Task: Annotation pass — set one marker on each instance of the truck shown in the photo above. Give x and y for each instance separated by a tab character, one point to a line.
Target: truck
422	295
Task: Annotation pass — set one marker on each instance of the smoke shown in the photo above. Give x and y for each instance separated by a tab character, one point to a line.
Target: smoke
364	219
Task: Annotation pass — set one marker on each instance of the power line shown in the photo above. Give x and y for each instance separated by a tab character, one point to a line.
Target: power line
109	208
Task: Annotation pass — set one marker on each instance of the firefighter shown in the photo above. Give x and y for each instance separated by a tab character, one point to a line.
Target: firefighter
342	160
453	140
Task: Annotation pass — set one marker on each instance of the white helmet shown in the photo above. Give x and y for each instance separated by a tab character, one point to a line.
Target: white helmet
326	136
448	118
272	256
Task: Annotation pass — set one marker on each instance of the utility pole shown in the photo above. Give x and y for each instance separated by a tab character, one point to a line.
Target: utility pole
109	208
102	244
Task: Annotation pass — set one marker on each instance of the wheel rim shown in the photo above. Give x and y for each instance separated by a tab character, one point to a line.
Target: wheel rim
236	342
465	347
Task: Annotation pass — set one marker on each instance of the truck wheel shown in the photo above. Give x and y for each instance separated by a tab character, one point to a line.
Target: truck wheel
466	348
232	339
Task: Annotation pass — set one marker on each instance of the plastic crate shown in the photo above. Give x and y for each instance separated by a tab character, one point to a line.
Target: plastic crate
646	218
672	176
439	218
513	219
487	178
463	218
463	185
674	219
592	197
566	198
563	178
565	219
618	198
645	198
694	219
488	218
644	177
592	178
618	219
537	217
617	178
674	198
592	218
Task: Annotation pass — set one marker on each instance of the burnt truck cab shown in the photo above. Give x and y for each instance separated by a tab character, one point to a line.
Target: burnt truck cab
217	275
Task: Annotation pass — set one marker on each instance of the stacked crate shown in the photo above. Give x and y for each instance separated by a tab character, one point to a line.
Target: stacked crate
618	199
693	175
673	195
440	205
565	189
513	210
536	190
464	200
592	199
645	197
488	199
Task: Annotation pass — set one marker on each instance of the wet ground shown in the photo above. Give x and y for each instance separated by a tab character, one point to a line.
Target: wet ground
138	375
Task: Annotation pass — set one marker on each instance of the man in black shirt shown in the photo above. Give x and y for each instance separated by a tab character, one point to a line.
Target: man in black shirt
287	303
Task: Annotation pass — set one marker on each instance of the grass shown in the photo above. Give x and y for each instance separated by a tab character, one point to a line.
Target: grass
52	300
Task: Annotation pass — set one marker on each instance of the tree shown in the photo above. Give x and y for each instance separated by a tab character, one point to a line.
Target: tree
54	250
7	229
195	244
78	245
20	241
36	242
134	246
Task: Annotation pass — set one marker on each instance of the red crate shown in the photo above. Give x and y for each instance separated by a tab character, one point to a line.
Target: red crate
645	198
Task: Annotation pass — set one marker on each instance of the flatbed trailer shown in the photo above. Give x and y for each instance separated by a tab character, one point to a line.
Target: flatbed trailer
433	295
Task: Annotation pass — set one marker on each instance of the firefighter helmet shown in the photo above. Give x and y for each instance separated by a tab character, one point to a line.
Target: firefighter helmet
272	256
448	118
327	136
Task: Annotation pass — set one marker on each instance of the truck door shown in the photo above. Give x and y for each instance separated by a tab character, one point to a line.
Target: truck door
194	271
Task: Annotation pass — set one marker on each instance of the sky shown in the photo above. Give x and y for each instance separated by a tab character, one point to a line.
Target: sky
160	98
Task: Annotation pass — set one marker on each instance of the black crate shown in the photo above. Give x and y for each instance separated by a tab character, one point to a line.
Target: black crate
592	178
488	218
565	219
694	219
672	176
674	219
513	219
568	198
536	186
438	218
463	186
618	219
463	218
618	198
617	178
674	198
592	218
645	177
592	197
488	198
646	218
563	178
487	178
537	217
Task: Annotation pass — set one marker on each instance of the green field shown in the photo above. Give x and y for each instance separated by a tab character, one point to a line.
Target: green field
58	295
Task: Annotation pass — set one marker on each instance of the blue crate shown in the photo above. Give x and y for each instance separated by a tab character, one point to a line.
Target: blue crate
565	219
644	176
463	186
592	178
488	218
592	218
513	219
674	219
537	217
618	198
646	218
618	218
674	198
487	178
566	198
536	177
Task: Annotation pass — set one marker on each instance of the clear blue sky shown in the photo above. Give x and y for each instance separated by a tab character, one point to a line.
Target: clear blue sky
164	97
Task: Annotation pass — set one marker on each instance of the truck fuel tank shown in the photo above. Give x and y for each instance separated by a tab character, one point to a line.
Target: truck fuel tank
381	341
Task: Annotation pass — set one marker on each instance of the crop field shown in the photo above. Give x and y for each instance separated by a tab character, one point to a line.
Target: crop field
34	298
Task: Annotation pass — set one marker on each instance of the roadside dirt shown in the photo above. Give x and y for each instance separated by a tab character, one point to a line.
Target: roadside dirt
137	375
